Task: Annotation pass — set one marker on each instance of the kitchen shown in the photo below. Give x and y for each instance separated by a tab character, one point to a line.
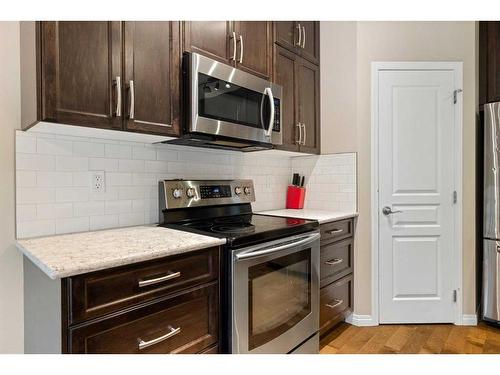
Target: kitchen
200	187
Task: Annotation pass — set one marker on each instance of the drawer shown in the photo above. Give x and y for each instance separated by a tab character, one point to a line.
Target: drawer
98	293
336	301
336	260
186	323
336	230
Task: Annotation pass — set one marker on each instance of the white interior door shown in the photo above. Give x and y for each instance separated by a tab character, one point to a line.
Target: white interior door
416	182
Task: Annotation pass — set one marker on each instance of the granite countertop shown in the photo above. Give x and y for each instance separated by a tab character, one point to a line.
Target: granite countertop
73	254
323	216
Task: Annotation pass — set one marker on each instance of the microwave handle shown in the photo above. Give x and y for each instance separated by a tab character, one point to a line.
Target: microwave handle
269	250
269	94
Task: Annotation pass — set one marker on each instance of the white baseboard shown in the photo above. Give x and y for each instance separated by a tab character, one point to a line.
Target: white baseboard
361	320
469	320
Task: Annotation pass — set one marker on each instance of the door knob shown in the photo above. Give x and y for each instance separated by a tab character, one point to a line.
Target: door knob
388	211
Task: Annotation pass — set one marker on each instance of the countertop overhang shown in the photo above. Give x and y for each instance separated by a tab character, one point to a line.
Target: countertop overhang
322	216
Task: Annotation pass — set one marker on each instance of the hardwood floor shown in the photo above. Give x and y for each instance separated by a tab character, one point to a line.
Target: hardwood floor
412	339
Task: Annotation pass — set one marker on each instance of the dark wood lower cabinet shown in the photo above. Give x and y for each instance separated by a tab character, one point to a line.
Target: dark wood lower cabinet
185	323
336	273
168	305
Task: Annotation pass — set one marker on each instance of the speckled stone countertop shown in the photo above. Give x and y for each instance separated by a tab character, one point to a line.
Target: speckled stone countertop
73	254
320	215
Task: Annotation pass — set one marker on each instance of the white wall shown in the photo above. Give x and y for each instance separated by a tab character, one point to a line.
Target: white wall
11	274
397	41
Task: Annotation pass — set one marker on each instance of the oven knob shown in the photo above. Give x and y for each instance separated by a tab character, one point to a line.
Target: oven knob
190	192
177	193
247	190
237	190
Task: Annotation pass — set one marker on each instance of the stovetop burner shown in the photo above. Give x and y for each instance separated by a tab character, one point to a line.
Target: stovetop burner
236	229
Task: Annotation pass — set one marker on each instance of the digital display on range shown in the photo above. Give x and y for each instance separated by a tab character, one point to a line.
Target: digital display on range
215	191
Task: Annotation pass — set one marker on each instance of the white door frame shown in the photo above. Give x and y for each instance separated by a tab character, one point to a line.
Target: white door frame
457	68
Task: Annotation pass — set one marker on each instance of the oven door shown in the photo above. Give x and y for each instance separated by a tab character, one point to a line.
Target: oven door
228	102
275	291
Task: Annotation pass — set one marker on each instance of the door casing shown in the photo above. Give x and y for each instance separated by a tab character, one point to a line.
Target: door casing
457	68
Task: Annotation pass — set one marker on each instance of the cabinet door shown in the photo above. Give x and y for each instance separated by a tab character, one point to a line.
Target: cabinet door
254	47
308	94
493	61
310	40
209	38
285	75
286	34
152	77
80	64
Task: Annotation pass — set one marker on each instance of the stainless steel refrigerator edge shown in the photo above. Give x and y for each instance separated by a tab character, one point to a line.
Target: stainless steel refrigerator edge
491	222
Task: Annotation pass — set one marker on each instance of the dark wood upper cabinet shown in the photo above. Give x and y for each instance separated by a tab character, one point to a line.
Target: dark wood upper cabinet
255	54
80	64
310	40
300	114
152	77
300	37
489	62
309	101
209	38
285	75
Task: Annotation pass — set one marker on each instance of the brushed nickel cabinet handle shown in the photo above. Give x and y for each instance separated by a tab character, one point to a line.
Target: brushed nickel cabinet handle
171	332
170	276
299	125
234	46
241	49
334	231
336	302
334	261
305	134
299	43
118	96
132	100
304	37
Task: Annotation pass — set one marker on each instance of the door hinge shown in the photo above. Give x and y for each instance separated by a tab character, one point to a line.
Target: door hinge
455	295
455	197
455	93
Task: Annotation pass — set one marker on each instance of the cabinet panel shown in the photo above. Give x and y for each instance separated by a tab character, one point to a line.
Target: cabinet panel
256	48
79	65
483	63
493	61
152	74
310	40
309	115
285	74
186	323
209	38
285	34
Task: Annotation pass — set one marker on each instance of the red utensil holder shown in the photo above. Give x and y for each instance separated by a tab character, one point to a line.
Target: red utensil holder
295	197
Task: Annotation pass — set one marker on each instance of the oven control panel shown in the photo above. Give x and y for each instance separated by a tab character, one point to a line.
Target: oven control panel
196	193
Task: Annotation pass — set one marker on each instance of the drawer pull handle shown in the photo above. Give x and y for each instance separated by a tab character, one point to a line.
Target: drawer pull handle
171	332
336	302
334	231
334	262
170	276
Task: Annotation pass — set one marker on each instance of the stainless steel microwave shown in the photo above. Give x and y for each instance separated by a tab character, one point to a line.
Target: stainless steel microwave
228	108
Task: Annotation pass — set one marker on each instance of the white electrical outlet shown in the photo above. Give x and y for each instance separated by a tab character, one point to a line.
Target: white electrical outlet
98	182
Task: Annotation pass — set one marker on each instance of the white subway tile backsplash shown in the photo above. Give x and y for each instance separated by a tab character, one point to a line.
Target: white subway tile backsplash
90	149
54	146
47	179
103	222
72	163
54	193
54	210
118	151
76	224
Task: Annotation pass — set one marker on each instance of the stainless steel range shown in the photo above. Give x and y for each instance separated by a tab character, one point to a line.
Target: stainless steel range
270	285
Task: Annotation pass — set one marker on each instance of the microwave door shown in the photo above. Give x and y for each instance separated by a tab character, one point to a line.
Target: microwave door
267	112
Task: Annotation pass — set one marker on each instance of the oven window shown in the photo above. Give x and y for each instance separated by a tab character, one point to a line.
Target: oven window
279	296
225	101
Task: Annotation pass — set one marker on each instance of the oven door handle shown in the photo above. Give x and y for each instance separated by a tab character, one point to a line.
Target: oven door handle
274	249
269	93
